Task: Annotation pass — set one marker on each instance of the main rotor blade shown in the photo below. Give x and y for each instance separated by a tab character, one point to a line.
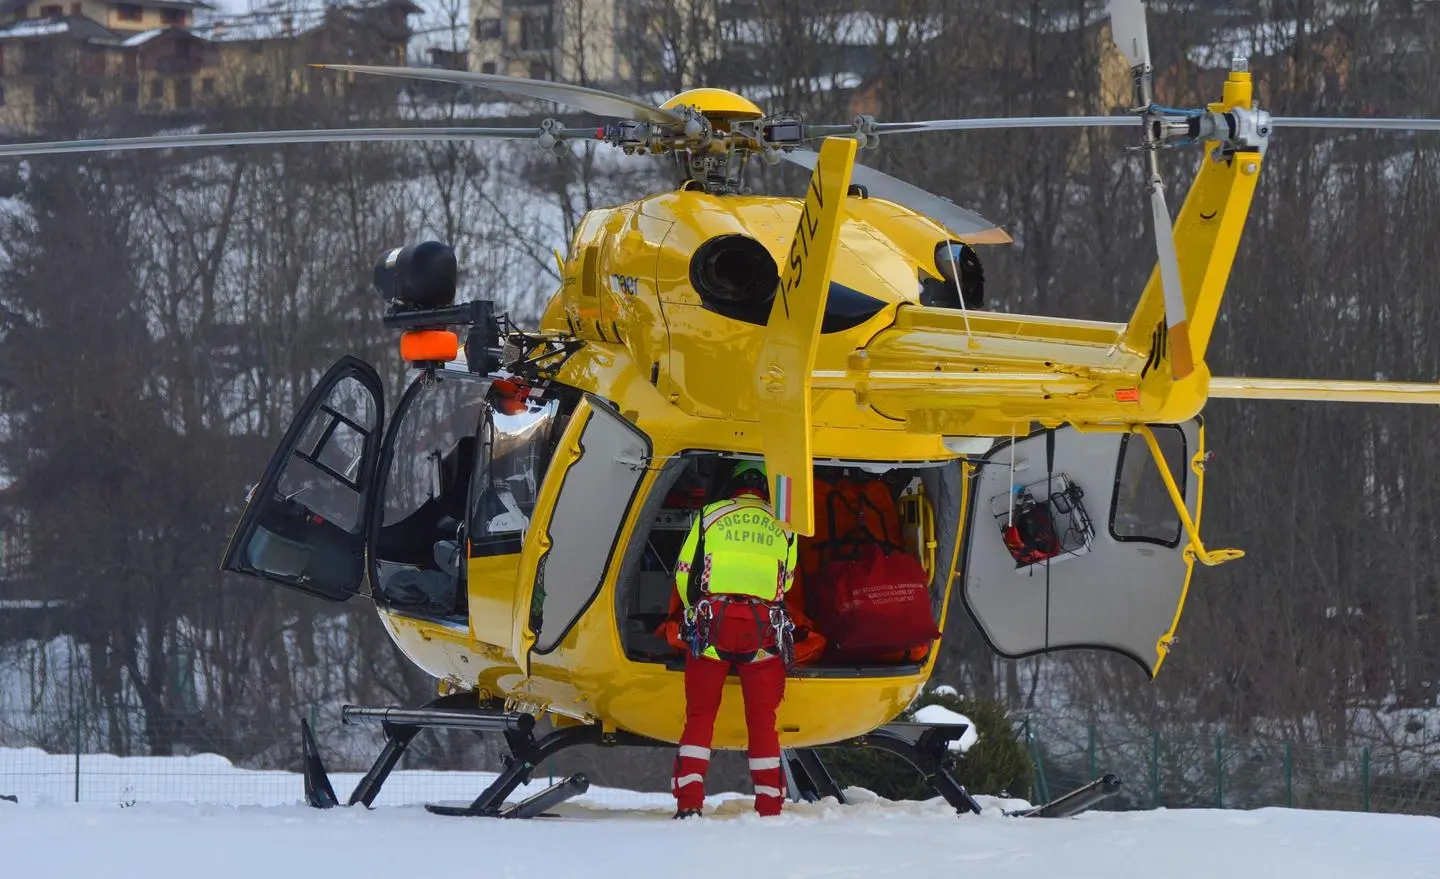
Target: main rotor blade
1005	122
964	223
594	100
1358	122
244	138
1127	29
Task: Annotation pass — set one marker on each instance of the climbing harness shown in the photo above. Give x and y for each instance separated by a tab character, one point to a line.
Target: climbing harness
699	623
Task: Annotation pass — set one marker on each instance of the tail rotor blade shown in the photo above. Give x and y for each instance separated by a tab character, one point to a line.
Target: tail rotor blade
1127	29
1176	321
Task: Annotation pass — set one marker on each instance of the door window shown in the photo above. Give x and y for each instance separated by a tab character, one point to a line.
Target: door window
303	524
324	473
434	449
1142	509
596	493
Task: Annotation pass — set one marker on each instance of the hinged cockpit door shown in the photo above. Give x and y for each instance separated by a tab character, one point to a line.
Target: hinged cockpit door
1077	544
589	490
304	523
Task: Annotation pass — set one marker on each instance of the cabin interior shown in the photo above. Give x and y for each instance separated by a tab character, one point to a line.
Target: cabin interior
647	598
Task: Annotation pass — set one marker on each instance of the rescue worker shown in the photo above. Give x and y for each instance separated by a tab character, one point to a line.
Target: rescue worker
732	574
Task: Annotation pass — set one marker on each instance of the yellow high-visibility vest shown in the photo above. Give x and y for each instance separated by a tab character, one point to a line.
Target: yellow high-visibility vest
747	552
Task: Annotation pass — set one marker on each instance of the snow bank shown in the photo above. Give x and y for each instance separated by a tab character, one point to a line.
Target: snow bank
939	714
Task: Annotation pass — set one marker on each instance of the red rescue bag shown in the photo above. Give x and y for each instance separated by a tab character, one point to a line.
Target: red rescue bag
849	512
875	604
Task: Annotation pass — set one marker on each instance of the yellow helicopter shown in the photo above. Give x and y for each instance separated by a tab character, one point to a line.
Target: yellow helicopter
516	517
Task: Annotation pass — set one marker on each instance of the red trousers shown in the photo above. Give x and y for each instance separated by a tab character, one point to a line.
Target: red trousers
762	684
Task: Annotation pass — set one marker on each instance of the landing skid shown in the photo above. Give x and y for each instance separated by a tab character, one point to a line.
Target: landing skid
924	745
457	711
1075	802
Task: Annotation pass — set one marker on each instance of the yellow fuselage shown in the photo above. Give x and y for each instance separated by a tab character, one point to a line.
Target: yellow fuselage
892	387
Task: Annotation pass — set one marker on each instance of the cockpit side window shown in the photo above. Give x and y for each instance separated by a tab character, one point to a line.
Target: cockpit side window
432	451
510	462
419	546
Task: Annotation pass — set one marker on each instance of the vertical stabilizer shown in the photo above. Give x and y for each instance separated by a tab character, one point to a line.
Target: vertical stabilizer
787	359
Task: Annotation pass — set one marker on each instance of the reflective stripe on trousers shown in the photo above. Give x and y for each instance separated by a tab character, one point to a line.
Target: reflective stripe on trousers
762	684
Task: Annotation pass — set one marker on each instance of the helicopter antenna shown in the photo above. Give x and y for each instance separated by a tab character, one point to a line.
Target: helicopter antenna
965	312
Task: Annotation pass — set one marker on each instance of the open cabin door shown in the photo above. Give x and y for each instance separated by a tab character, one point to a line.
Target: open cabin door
589	490
1079	545
304	523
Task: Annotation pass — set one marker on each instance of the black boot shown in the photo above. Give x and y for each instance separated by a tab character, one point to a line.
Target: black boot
681	814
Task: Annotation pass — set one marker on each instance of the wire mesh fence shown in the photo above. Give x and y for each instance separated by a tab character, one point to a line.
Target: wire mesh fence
1208	769
125	759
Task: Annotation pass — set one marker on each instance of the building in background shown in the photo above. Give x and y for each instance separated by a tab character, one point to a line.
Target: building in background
178	57
606	43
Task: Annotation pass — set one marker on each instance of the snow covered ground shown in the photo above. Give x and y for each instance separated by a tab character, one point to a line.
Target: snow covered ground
133	821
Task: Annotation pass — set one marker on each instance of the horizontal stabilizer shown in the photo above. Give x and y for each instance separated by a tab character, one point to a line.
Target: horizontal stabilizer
1324	390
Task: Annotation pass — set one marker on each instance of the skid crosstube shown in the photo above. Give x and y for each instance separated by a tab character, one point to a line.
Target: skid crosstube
925	746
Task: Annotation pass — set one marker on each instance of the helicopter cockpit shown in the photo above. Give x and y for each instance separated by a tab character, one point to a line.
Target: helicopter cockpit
425	474
459	445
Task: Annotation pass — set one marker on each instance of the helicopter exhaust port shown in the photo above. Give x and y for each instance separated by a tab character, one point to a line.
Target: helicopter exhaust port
734	273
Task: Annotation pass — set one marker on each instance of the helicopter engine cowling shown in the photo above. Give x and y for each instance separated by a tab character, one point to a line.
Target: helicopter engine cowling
734	273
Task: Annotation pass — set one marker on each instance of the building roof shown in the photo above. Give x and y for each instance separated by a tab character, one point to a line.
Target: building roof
44	27
284	18
9	6
75	26
142	37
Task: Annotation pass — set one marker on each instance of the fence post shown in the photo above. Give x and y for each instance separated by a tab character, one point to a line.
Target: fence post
1154	768
1040	782
1365	777
1219	770
76	712
1289	776
1091	751
1029	751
